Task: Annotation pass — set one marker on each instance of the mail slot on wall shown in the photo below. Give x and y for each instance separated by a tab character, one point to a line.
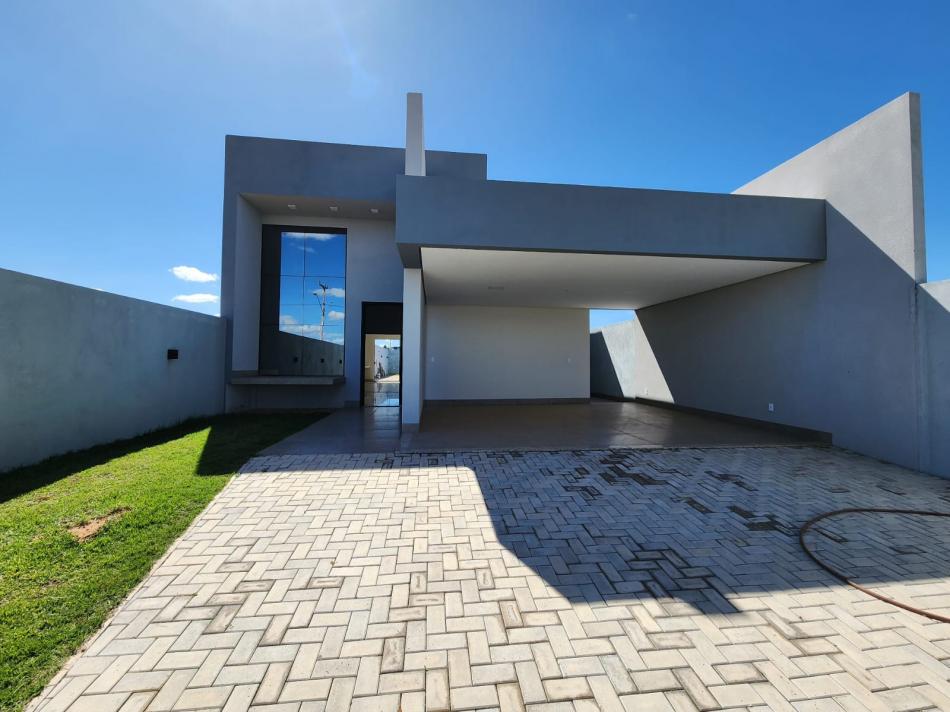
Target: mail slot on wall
172	354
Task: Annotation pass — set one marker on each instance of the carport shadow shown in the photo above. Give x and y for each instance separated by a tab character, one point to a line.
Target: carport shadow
235	437
694	527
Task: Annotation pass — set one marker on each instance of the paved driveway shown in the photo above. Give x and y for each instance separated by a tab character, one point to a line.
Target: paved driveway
600	579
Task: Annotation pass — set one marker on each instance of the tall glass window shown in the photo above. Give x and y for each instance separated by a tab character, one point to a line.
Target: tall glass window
305	335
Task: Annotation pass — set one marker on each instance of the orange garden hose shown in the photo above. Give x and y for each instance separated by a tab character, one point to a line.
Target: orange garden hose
837	574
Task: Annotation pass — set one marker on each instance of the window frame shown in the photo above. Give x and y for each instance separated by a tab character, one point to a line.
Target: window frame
270	234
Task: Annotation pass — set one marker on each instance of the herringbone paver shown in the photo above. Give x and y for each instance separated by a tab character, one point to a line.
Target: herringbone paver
609	579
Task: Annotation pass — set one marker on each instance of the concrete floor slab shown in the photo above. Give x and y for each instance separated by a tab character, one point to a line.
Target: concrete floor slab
600	423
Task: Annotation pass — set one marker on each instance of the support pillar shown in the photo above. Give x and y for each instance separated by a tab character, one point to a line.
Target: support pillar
413	348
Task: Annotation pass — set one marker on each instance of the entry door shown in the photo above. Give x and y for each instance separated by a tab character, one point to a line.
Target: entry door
381	347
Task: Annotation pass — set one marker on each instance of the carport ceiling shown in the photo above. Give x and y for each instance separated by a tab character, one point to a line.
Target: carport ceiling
577	280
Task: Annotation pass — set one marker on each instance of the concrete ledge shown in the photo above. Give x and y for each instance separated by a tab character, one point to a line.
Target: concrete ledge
816	435
287	380
509	401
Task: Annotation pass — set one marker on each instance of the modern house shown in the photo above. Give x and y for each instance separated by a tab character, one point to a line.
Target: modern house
797	299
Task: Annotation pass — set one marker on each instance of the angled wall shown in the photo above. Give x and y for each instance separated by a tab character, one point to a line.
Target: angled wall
831	345
613	359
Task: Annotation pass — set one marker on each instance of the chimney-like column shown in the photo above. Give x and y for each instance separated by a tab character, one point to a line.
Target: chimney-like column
415	139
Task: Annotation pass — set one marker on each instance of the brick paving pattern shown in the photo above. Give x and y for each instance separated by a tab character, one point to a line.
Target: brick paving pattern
898	555
614	580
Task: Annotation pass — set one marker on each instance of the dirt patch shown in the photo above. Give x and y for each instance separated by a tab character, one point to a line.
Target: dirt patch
87	530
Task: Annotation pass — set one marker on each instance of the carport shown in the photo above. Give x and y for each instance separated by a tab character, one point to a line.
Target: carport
499	277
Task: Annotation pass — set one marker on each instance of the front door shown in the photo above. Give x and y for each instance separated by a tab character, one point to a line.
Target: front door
381	383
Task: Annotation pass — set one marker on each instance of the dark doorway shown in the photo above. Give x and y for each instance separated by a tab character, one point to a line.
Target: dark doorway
381	354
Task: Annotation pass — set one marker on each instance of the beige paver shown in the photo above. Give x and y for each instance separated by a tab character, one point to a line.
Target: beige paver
603	579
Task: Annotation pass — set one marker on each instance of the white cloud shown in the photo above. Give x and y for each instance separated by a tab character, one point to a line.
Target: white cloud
333	314
331	292
302	329
199	298
310	330
193	274
319	236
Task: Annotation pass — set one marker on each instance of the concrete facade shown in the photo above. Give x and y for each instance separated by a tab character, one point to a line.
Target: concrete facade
81	367
262	178
794	300
373	274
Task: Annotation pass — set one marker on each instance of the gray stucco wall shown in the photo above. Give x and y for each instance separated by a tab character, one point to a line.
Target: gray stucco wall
831	344
613	359
80	367
622	364
506	353
933	301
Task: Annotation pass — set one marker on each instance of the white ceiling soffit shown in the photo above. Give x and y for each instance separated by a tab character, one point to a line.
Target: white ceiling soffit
563	279
309	206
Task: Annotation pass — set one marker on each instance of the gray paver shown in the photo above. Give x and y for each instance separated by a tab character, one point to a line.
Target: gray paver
600	579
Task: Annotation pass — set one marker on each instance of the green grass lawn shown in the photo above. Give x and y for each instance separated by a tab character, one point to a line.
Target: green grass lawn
55	591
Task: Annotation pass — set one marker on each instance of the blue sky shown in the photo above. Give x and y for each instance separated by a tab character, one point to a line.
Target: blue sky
112	132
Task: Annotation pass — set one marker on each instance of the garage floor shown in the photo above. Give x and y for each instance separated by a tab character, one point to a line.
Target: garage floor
600	423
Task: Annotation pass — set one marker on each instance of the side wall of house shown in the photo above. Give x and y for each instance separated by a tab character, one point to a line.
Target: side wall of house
933	300
81	367
506	353
831	345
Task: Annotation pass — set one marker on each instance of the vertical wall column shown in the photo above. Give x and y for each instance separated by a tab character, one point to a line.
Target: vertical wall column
415	136
413	291
245	302
413	348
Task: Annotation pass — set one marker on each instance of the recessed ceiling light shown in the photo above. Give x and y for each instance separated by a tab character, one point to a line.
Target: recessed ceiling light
292	206
374	211
334	208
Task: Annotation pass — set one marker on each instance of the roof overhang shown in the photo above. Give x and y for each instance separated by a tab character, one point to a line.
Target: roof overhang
530	244
441	212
